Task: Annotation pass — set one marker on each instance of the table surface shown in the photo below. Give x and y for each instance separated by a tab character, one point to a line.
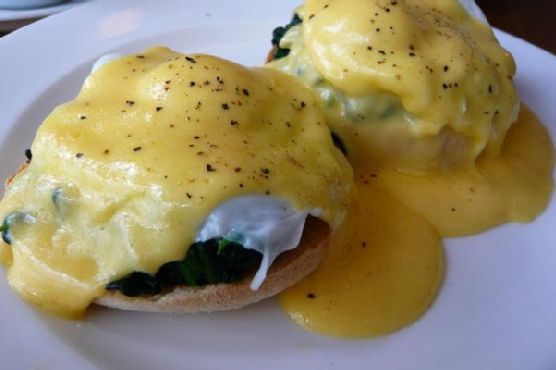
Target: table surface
531	20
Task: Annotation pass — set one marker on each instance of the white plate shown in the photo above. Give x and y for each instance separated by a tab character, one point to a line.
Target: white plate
497	309
20	14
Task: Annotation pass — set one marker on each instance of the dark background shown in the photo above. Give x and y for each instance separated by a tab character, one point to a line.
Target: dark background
532	20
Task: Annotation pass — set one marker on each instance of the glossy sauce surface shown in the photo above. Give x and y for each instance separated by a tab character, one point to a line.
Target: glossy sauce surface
123	176
385	266
421	94
412	85
382	272
515	186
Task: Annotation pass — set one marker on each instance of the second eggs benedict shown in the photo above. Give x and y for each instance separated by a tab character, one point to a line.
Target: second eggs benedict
421	95
413	85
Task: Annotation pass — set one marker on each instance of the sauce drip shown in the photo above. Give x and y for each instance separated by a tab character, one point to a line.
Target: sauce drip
385	265
514	186
382	272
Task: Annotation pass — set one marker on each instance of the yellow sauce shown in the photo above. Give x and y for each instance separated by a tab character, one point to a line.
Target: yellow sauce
123	176
385	264
376	288
422	96
415	85
382	272
513	187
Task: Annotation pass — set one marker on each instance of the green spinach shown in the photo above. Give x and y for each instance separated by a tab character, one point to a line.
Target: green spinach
11	219
279	33
136	284
5	229
214	261
338	142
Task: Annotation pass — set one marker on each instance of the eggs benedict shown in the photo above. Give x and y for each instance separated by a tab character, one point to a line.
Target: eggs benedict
173	182
420	95
414	85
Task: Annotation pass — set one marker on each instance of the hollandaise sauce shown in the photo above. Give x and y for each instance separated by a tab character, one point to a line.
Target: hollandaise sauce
382	272
123	176
421	93
515	186
416	85
385	265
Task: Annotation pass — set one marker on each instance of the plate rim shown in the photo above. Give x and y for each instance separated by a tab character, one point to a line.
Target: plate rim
64	20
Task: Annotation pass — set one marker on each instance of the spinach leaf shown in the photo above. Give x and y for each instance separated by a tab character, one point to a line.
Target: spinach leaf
5	229
57	198
279	33
214	261
12	218
136	284
338	142
235	257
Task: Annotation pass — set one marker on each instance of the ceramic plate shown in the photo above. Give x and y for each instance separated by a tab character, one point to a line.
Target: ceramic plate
496	310
20	14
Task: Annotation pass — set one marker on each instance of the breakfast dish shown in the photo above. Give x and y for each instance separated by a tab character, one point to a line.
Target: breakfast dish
493	311
423	94
162	151
185	183
420	96
418	86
